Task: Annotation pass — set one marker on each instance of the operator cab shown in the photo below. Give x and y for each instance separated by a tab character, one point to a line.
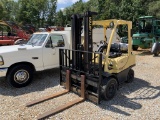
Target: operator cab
145	24
117	48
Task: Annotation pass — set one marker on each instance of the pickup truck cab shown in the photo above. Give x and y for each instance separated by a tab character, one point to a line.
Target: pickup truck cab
19	62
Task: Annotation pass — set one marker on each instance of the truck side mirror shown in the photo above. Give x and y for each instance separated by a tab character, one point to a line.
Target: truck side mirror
54	45
49	43
60	43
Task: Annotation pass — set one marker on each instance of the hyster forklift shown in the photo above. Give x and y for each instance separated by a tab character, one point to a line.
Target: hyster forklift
94	75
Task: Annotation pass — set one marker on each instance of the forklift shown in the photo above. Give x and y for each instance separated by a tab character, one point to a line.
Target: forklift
94	75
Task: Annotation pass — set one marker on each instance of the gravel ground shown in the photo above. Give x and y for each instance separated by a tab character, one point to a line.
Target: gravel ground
137	100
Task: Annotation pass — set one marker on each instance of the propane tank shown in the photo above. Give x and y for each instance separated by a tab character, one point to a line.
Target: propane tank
123	47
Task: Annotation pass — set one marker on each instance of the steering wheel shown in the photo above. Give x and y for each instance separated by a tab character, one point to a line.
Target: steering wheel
103	45
103	42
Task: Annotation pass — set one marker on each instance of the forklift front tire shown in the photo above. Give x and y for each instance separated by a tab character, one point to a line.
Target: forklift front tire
109	90
130	76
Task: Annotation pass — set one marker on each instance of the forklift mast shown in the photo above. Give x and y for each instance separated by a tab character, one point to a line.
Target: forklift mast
77	22
76	29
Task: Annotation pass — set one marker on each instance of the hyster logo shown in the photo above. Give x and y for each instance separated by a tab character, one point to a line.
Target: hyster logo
90	25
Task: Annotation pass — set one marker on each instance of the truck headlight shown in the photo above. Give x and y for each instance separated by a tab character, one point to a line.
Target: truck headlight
1	60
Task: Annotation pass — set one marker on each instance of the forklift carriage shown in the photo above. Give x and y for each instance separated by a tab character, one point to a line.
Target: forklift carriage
92	72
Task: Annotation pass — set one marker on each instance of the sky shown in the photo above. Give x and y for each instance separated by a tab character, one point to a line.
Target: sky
61	4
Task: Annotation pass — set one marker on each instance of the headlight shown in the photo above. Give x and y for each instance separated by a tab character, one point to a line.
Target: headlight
1	60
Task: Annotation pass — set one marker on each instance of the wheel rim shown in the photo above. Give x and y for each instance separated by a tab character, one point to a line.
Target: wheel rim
21	76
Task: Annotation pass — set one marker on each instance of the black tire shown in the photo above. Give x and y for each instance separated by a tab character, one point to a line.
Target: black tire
20	76
156	54
130	76
134	47
154	48
109	90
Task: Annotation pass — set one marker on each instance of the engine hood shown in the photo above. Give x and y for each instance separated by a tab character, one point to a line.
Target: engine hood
15	48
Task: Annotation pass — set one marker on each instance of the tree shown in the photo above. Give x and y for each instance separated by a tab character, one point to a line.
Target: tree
1	9
154	8
37	12
51	13
8	11
60	19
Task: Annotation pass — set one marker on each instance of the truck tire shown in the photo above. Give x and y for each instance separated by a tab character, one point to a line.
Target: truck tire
155	49
130	76
109	90
135	47
20	76
156	54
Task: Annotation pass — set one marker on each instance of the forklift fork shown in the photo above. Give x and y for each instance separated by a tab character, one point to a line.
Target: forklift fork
62	107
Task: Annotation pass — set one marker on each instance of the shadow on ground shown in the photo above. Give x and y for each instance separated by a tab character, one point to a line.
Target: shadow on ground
143	52
137	90
126	97
41	81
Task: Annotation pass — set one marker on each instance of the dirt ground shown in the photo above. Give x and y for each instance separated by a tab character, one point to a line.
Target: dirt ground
137	100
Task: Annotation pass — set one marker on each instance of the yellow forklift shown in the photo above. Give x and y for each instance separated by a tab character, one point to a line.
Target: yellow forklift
94	75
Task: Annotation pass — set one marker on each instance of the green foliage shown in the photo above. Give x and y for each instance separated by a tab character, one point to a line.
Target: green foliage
42	12
154	8
51	12
37	12
8	9
1	9
60	19
110	9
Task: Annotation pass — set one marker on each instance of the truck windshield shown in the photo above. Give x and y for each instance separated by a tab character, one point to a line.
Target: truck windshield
37	39
145	25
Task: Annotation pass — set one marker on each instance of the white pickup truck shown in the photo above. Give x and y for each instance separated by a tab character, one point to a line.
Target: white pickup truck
19	62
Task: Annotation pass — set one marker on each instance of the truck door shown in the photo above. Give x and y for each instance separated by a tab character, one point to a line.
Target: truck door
51	54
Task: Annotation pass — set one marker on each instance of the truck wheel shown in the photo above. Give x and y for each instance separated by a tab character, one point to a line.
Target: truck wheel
20	76
130	76
156	54
134	47
109	90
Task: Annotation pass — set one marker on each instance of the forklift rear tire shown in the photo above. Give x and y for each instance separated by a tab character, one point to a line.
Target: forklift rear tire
135	47
130	76
109	90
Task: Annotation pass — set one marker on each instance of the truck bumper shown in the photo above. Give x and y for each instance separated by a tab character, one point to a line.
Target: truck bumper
3	72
